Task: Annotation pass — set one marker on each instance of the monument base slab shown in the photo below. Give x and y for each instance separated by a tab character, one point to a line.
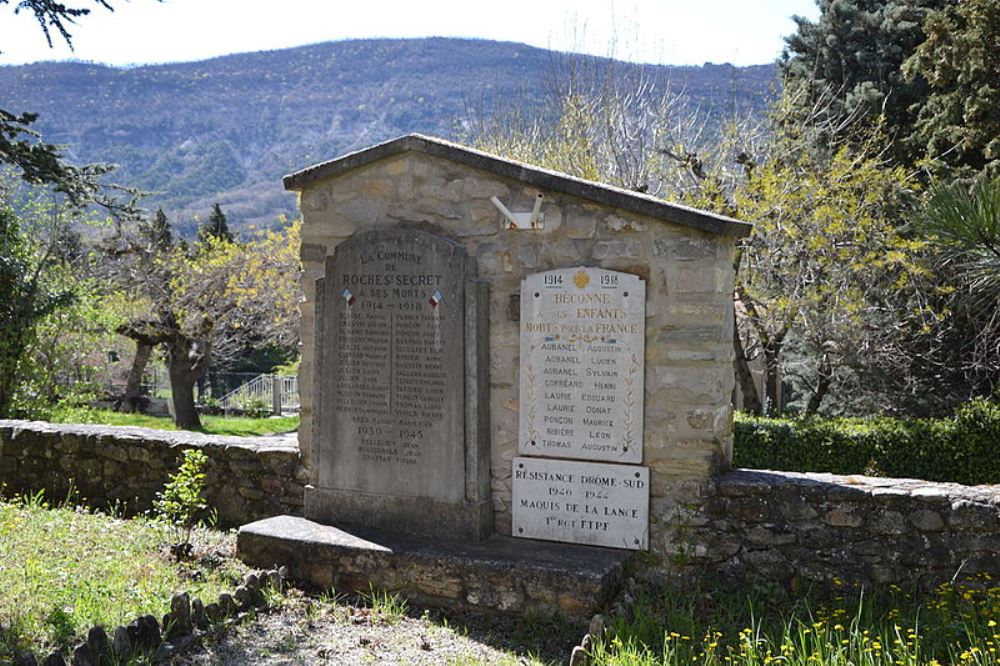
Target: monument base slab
498	573
353	509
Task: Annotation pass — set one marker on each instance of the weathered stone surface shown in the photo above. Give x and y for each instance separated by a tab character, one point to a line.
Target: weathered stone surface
180	616
122	643
199	617
97	640
83	655
926	520
398	392
126	467
227	604
512	575
871	529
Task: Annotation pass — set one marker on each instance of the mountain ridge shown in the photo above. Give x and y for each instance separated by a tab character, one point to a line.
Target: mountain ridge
226	129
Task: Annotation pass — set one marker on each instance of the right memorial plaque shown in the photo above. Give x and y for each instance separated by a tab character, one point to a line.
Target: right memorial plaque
581	367
598	504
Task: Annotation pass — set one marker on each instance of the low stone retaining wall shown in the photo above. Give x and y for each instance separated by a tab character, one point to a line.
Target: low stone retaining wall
247	479
825	528
779	526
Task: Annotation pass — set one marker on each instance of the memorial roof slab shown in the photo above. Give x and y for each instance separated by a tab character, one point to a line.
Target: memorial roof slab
555	181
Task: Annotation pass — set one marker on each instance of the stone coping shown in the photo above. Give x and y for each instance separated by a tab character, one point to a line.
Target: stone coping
169	437
609	195
741	482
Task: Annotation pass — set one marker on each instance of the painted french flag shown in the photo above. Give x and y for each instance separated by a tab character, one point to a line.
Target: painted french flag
435	298
348	296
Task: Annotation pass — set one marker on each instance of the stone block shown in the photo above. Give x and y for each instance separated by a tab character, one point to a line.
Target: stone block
579	224
888	523
614	223
926	520
698	248
628	248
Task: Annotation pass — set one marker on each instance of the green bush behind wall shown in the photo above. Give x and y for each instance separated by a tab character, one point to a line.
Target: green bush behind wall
962	449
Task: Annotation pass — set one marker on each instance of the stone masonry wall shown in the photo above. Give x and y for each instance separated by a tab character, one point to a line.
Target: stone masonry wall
247	478
822	528
778	526
689	311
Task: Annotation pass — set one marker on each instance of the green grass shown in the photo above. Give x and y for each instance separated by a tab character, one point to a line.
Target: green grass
213	425
64	570
954	624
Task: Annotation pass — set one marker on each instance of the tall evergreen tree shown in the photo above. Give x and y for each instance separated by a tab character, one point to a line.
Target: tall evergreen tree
958	128
847	67
217	226
158	233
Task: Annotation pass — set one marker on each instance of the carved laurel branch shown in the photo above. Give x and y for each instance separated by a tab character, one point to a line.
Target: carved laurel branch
630	401
529	371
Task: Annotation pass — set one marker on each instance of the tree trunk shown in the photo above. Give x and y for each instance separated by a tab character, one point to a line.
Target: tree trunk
10	361
772	379
130	403
824	376
186	361
751	399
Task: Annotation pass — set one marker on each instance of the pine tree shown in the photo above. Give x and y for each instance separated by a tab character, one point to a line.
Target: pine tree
216	227
958	127
158	233
847	66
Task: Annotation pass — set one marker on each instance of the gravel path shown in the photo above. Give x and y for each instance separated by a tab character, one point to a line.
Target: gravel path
310	631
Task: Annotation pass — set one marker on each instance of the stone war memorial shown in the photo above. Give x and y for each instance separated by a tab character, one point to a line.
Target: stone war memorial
512	380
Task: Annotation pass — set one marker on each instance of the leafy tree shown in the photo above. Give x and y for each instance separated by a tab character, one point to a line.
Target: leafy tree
208	302
139	260
958	126
40	265
847	66
823	263
24	301
216	227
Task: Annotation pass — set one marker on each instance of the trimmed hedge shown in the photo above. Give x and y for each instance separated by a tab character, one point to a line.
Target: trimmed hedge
962	449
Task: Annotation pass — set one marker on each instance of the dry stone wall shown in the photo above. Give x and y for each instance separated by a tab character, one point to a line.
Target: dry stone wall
247	478
777	526
824	529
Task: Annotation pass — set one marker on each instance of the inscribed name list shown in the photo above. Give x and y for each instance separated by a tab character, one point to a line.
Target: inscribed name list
393	357
599	504
581	367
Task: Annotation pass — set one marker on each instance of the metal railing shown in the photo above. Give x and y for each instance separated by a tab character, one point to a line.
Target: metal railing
277	393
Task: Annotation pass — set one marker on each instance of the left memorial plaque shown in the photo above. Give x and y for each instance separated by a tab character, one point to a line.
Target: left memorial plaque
391	376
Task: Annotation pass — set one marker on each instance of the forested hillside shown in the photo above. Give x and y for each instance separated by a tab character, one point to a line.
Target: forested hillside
227	129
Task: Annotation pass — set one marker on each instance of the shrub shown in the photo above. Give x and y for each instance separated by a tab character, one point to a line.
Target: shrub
183	499
961	449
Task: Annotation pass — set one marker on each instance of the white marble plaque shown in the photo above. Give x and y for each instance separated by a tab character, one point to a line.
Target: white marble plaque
581	368
598	504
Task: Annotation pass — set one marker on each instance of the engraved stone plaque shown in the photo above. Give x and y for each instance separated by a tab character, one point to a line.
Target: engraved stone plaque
581	367
599	504
398	429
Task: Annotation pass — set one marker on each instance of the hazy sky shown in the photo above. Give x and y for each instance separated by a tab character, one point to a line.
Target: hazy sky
743	32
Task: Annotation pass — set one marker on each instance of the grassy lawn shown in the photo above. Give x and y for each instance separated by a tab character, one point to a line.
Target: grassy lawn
213	425
955	624
64	570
